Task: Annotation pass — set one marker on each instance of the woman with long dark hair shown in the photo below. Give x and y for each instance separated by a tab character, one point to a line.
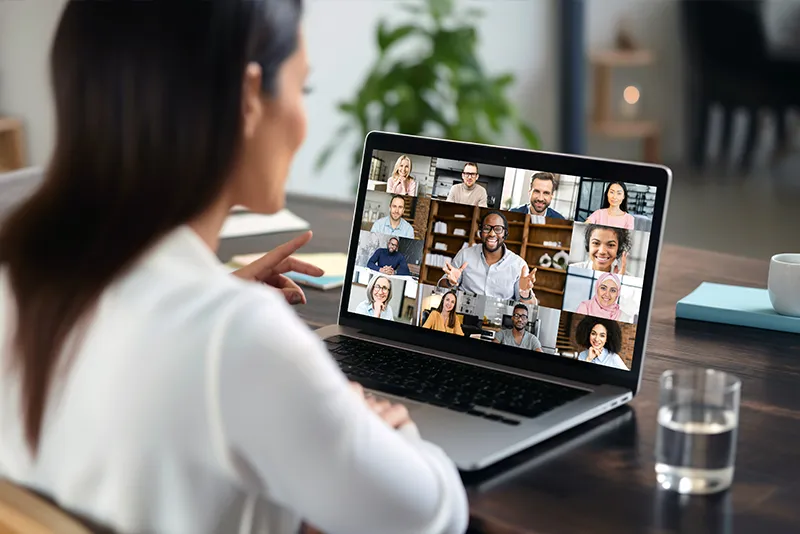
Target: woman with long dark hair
614	208
444	318
141	385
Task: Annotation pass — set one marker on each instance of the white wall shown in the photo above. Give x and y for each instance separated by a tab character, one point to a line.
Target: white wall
26	29
518	36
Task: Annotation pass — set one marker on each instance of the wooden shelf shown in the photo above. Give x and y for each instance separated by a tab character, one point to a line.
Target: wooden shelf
448	236
547	290
536	245
555	226
513	242
516	223
460	219
548	269
625	129
622	58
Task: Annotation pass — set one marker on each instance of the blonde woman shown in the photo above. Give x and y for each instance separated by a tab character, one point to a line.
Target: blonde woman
401	182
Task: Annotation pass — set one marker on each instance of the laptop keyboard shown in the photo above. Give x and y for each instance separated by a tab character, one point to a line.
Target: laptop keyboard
457	386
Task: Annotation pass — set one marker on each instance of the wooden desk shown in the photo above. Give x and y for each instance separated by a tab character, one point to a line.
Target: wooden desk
598	478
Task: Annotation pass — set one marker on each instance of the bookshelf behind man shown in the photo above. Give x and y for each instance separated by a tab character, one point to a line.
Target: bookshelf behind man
452	226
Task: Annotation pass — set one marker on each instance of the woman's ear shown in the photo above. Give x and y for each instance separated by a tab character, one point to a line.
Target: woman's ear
252	104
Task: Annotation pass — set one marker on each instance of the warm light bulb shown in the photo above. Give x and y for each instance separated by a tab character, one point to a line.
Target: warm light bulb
631	94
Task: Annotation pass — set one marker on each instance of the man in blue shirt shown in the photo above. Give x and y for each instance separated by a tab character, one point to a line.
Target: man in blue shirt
394	224
388	260
542	186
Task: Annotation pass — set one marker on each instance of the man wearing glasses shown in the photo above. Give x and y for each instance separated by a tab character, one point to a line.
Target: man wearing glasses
489	268
518	336
468	192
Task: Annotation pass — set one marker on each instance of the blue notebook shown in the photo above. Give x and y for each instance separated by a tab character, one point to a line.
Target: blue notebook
742	306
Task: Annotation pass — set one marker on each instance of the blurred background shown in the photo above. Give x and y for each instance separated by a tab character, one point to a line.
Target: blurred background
707	87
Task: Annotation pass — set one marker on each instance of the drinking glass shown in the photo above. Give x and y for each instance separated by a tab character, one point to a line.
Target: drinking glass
698	420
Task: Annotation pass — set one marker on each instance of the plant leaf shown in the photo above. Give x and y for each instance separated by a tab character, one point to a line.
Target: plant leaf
530	135
388	38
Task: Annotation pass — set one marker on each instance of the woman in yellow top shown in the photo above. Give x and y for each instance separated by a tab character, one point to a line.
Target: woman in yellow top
444	318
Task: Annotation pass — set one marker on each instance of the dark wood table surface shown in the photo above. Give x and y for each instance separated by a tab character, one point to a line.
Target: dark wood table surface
599	477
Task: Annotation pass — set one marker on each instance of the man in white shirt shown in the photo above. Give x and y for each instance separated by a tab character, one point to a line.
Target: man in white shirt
489	268
468	192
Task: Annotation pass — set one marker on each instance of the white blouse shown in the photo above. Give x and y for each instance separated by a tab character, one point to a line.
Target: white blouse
199	402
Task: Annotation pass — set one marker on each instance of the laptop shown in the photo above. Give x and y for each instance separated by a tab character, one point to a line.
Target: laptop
565	246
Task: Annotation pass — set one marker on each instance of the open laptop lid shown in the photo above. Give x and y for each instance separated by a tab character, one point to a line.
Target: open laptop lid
420	209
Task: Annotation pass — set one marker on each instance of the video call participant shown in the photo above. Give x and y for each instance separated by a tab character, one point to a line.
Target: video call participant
607	248
518	336
614	209
379	294
489	268
602	340
542	187
388	260
605	302
444	318
469	192
401	182
394	224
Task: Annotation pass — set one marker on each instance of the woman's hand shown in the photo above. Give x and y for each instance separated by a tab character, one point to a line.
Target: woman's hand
395	415
623	262
269	269
377	308
594	353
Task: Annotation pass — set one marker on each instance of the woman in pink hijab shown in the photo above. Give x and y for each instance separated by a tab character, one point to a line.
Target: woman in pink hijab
605	303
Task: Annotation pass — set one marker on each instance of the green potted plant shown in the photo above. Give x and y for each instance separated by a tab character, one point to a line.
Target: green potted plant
438	87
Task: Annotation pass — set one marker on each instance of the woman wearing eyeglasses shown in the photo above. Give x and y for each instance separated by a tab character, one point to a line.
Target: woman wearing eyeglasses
379	294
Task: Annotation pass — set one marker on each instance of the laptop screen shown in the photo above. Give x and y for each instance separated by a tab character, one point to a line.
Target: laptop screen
530	259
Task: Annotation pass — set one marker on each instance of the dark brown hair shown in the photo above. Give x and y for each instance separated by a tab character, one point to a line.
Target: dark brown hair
613	333
545	176
624	239
607	204
148	124
451	319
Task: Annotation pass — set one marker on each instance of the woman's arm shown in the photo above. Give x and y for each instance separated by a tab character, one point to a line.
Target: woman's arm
583	308
285	411
412	188
430	322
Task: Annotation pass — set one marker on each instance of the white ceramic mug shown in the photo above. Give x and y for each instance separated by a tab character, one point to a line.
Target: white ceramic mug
784	284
